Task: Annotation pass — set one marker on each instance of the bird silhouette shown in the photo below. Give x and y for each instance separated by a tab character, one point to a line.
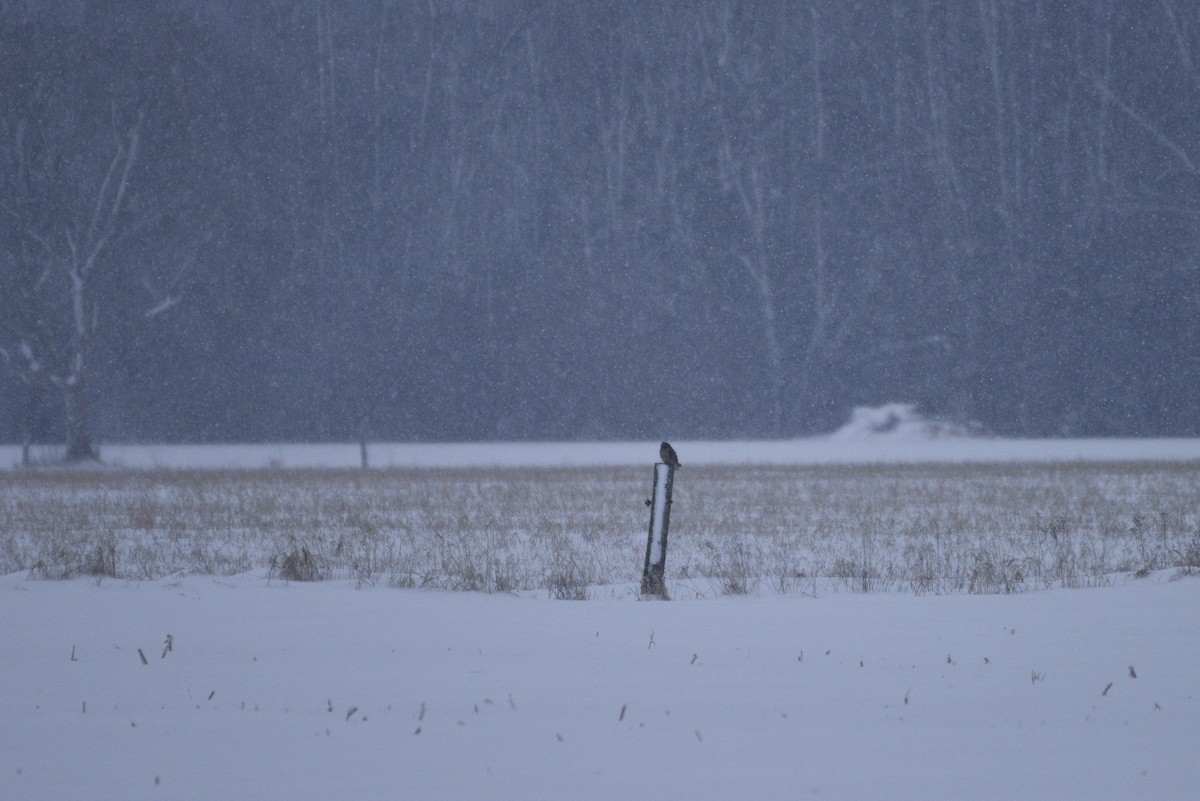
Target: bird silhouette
667	454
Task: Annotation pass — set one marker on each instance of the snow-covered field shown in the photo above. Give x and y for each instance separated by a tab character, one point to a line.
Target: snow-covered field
814	451
894	433
318	691
350	688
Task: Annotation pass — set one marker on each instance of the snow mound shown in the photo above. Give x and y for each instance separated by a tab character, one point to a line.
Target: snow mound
898	421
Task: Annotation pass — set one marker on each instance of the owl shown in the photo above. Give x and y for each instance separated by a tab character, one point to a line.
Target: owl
667	454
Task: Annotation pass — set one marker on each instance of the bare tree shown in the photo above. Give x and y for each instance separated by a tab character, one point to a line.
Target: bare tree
776	165
748	136
64	209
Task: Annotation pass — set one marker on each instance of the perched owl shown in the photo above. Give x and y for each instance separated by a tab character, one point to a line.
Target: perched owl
667	454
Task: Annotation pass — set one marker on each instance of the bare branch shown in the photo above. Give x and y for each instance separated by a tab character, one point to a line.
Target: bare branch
31	361
751	269
1181	43
98	209
1141	119
162	306
71	247
106	221
170	297
40	240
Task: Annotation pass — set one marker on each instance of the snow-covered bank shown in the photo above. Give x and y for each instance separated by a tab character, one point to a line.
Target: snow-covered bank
320	691
814	451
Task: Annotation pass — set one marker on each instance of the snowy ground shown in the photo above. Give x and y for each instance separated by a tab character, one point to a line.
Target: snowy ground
334	690
323	691
835	449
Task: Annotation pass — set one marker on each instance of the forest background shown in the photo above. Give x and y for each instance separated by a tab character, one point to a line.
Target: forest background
509	219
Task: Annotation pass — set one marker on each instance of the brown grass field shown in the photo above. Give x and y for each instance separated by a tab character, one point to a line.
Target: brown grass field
570	531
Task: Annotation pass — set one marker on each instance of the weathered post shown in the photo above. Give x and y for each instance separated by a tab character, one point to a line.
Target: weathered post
362	442
654	572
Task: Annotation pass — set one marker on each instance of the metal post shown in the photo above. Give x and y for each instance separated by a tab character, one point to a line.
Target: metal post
654	571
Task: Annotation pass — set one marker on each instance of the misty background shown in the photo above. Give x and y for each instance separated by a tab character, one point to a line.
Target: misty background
508	219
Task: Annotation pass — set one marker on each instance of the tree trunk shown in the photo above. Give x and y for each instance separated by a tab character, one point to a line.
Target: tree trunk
79	432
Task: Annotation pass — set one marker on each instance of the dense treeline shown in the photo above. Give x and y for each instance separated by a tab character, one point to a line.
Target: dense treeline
516	219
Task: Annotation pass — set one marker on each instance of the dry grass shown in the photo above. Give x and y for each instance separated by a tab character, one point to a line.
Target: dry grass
921	528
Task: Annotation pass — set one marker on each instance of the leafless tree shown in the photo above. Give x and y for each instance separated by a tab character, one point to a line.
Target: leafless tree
65	209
